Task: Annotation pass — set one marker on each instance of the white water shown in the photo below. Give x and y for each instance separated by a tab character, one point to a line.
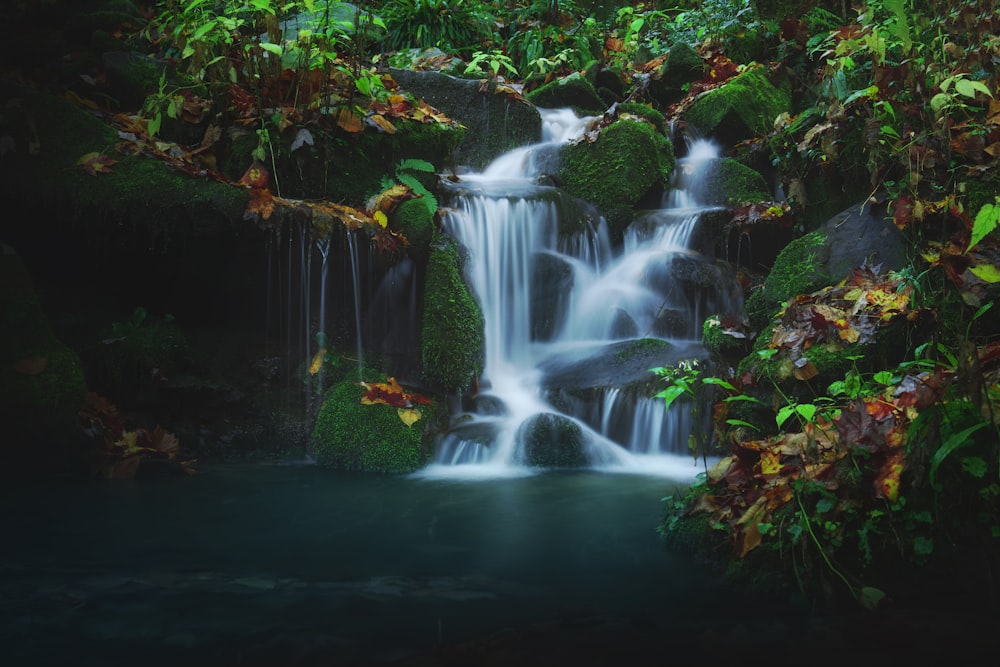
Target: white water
509	224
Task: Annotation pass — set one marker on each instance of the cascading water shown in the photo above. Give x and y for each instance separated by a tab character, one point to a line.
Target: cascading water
561	308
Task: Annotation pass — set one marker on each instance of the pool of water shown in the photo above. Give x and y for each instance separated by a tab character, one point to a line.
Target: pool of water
295	565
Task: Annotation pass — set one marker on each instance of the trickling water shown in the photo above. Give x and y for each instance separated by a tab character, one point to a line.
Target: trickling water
356	279
592	301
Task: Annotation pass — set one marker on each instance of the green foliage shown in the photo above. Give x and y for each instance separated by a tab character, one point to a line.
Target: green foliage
452	344
454	26
371	438
494	61
408	172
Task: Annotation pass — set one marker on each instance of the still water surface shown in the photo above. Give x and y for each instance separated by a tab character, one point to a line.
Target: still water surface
295	565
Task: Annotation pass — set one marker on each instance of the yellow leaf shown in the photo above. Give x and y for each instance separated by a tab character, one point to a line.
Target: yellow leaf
849	334
317	362
409	416
381	219
770	462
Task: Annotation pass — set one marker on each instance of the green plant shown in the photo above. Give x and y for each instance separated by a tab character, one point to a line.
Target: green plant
408	173
494	60
454	26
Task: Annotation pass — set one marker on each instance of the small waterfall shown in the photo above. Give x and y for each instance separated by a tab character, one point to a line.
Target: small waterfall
590	298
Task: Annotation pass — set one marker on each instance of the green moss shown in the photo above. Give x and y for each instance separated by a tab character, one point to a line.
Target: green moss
715	340
641	346
740	183
417	224
626	161
795	271
746	105
570	91
41	379
136	190
553	441
371	438
646	112
452	343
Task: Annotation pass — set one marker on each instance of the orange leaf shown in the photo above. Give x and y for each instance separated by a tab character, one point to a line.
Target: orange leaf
261	205
382	123
348	121
256	176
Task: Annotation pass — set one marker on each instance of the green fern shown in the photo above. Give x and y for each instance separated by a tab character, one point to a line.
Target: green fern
404	176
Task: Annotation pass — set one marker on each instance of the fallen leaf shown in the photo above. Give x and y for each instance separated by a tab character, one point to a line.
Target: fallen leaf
409	416
96	163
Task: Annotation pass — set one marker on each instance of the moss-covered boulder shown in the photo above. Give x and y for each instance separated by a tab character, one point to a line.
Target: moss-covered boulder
550	440
349	435
858	236
726	182
646	112
682	66
494	123
628	159
415	221
452	338
570	91
742	108
41	379
797	270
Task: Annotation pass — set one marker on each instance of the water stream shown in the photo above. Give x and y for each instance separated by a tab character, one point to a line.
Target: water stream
554	300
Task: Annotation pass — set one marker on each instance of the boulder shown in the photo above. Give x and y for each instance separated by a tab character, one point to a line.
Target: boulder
570	91
682	66
627	160
743	108
552	440
495	122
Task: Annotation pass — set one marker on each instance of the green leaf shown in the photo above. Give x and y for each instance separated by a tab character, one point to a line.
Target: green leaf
975	466
870	597
783	414
719	382
953	442
986	272
271	48
969	88
203	30
986	221
883	378
670	394
740	422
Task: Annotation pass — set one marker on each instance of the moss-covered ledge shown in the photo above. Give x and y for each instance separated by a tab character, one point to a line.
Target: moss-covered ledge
742	108
49	135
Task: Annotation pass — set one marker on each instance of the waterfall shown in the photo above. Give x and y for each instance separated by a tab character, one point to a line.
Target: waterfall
553	301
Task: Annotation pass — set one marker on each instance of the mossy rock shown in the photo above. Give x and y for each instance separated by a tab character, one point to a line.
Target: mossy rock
628	159
646	112
682	66
494	123
570	91
452	334
728	182
41	378
415	221
371	438
717	341
552	441
744	107
796	270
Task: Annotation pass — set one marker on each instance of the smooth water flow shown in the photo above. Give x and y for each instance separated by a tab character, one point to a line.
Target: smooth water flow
553	300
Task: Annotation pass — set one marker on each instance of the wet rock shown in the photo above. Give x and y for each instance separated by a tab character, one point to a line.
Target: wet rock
570	91
495	123
550	440
552	281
